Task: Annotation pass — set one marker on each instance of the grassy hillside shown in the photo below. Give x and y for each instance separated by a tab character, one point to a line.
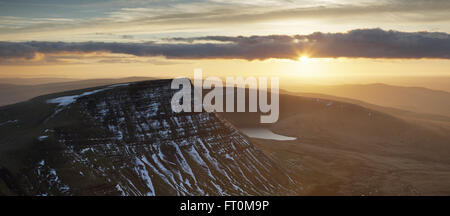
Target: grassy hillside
347	149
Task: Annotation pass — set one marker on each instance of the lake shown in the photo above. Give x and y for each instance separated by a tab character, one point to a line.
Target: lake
264	133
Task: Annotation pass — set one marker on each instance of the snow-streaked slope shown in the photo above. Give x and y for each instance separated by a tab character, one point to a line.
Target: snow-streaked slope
67	100
127	141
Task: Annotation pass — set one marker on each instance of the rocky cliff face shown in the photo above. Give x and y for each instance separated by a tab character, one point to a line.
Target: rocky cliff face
125	140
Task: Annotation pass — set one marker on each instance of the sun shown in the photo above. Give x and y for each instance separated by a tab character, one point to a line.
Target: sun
304	58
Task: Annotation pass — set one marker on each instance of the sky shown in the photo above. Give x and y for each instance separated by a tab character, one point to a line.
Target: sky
293	39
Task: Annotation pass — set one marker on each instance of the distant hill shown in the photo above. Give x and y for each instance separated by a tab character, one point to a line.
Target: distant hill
34	81
439	122
416	99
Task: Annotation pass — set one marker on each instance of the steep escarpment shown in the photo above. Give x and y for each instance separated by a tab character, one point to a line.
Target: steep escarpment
125	140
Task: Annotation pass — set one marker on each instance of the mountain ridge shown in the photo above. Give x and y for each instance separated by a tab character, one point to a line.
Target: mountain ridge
125	140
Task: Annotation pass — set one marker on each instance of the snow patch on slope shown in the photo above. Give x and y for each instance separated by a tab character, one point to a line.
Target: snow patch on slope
67	100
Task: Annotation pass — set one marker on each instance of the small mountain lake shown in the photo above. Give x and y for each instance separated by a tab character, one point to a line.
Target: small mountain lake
264	133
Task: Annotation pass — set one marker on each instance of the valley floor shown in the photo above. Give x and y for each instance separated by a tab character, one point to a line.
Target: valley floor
326	170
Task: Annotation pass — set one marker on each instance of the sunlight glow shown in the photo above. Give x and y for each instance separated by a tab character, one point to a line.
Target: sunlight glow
304	58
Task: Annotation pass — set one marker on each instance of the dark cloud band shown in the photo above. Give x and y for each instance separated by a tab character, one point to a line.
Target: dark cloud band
361	43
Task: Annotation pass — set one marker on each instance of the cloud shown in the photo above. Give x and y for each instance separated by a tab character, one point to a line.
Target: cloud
115	35
360	43
152	18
